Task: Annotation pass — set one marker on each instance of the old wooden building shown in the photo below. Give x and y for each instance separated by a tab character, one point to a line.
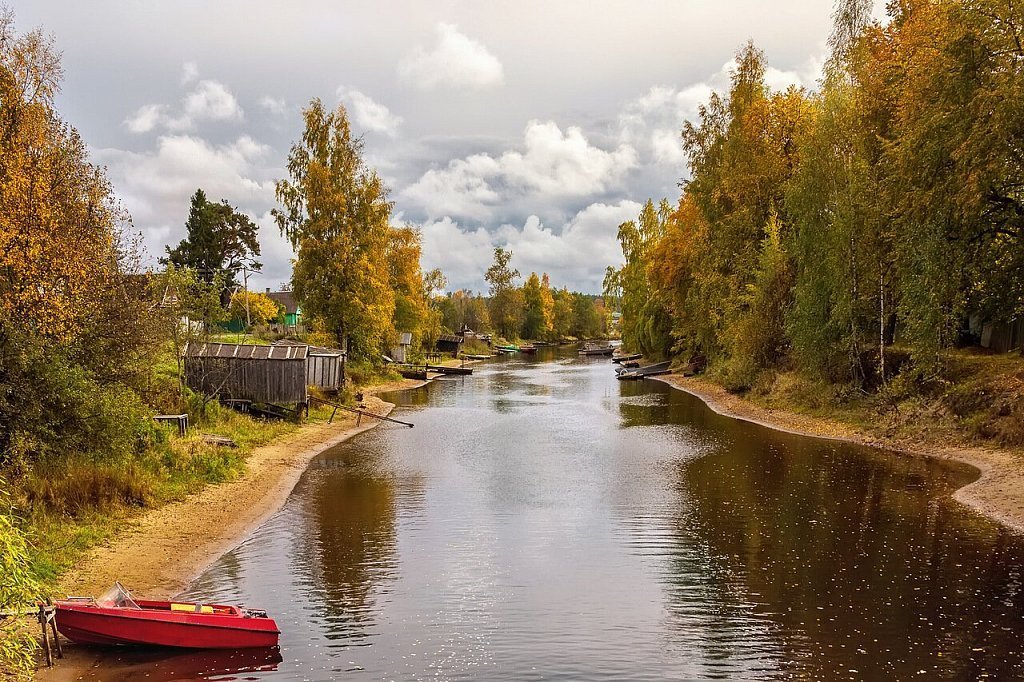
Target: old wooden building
260	374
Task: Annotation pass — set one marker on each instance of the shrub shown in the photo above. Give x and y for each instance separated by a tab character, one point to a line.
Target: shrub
18	589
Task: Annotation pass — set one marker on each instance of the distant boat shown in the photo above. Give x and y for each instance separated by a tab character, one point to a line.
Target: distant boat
478	357
590	348
507	348
529	349
117	618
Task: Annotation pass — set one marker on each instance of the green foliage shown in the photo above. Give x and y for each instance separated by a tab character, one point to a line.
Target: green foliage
220	241
816	230
18	589
506	304
334	211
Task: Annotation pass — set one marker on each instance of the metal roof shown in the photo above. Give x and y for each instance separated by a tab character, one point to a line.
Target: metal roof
313	350
244	351
450	338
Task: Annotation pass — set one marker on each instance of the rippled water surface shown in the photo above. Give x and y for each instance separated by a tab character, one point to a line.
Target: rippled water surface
544	521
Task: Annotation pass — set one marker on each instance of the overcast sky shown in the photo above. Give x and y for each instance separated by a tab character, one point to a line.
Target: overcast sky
534	125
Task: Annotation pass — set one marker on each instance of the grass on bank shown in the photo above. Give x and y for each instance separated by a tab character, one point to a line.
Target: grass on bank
977	399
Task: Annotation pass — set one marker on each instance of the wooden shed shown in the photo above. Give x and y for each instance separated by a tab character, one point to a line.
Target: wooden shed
261	374
325	367
449	343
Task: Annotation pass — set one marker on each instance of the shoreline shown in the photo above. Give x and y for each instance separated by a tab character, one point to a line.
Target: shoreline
997	493
162	551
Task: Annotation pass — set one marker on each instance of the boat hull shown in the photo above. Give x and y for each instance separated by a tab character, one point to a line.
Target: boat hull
89	624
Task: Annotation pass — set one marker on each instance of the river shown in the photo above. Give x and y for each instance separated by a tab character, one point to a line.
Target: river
544	521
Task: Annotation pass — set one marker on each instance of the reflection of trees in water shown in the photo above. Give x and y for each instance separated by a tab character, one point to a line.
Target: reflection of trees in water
860	563
348	545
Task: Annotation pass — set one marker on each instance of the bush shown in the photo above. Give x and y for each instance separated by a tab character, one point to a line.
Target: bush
18	589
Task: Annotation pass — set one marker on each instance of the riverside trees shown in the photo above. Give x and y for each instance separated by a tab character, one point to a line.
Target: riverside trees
816	229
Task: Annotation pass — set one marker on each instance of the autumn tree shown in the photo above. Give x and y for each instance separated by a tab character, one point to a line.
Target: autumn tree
538	306
334	211
219	241
413	312
254	307
505	306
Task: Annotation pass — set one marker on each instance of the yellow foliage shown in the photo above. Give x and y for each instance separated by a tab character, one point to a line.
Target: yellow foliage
261	308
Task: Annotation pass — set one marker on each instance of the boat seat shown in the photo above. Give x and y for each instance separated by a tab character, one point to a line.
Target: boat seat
195	608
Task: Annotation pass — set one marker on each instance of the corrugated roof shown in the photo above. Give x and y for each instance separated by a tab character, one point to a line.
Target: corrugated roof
318	350
450	338
245	351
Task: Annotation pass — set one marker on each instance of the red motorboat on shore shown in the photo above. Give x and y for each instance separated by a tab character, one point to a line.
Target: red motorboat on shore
117	618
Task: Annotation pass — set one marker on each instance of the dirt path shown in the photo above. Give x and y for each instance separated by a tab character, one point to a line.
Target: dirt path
998	493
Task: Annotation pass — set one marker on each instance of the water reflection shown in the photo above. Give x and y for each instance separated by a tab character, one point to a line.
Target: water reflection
544	521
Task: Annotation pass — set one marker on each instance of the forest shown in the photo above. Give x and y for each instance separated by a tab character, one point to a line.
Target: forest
847	240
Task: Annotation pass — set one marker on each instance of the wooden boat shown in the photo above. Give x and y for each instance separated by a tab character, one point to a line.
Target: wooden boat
595	349
478	357
442	369
642	372
413	373
117	618
626	358
529	349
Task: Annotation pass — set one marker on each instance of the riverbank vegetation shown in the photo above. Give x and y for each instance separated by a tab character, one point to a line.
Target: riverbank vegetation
849	246
91	341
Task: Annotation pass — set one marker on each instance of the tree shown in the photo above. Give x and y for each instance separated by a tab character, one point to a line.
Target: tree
334	211
506	307
220	241
536	308
412	300
254	307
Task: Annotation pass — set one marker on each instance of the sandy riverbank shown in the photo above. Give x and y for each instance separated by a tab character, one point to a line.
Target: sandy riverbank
165	549
998	493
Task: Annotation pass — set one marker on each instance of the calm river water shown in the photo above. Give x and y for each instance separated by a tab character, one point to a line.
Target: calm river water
544	521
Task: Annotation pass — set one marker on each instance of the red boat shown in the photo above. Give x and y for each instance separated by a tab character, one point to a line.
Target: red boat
529	349
117	618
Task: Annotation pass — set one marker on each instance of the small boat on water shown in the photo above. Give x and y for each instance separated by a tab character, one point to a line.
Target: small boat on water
507	349
478	357
626	358
117	618
625	374
590	348
528	348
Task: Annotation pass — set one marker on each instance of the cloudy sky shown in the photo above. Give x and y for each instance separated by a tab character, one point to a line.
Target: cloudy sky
534	125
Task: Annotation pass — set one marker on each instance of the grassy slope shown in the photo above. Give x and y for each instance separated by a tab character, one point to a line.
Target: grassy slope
978	400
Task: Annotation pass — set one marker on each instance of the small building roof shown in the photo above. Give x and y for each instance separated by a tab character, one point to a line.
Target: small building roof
245	351
405	338
287	299
449	338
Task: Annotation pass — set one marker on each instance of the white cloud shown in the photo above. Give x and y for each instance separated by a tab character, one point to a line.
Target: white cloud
208	101
211	101
553	164
275	105
576	256
155	186
455	61
189	72
147	117
368	113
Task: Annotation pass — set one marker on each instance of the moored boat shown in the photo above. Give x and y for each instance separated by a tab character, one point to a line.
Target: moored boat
590	348
117	618
626	358
642	372
528	348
